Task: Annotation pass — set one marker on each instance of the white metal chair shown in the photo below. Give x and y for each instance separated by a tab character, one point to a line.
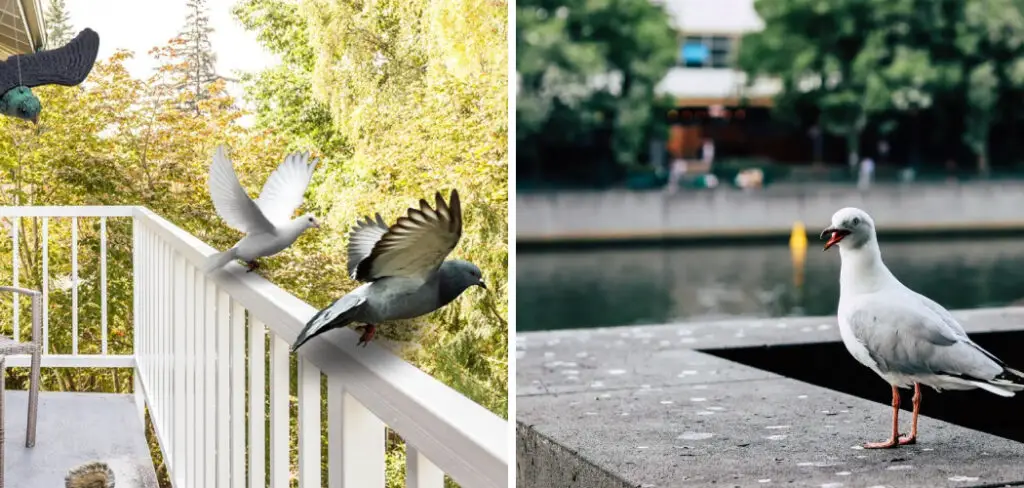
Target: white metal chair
9	346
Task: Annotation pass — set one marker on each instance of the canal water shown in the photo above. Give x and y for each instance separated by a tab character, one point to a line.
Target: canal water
655	285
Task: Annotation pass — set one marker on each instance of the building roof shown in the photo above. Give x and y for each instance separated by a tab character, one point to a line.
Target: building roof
713	16
717	84
22	29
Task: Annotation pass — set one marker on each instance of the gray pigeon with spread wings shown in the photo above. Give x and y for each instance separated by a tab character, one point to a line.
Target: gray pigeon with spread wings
404	269
67	65
267	221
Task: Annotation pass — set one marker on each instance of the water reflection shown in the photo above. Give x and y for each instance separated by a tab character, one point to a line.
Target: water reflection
576	288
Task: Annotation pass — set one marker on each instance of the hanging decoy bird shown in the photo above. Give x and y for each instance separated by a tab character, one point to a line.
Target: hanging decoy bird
67	65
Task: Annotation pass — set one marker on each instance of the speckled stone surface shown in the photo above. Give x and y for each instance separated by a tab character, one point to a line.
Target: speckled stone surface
639	407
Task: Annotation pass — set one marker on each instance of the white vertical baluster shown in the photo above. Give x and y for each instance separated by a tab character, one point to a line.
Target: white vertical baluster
46	285
223	328
238	388
419	471
103	282
174	362
335	468
209	334
362	445
309	425
257	404
15	221
189	361
279	440
140	333
74	286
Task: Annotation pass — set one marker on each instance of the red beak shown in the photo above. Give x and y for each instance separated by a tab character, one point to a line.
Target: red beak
836	235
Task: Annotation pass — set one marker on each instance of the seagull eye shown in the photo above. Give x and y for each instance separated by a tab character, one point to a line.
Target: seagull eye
856	221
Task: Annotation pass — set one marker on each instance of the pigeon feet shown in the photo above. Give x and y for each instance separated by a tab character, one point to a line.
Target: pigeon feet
251	266
368	330
908	439
892	442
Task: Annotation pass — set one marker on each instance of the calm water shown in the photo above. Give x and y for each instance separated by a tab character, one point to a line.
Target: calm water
564	289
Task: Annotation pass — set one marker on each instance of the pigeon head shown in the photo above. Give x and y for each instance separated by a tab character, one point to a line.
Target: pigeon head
851	228
310	220
20	102
456	276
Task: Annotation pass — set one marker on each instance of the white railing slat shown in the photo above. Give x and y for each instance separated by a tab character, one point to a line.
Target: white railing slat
14	278
74	285
362	445
209	334
223	416
420	472
335	468
140	332
257	403
46	285
188	360
238	388
279	442
103	282
309	425
179	476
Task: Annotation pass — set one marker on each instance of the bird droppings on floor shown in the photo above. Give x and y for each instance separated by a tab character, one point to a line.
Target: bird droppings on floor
695	436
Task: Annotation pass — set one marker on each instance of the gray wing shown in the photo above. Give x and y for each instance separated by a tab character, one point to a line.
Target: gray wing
909	338
417	243
361	240
67	65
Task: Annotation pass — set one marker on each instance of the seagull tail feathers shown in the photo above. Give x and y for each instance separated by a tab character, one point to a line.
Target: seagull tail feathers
997	388
218	260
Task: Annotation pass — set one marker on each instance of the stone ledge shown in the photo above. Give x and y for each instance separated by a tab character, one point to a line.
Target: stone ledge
599	409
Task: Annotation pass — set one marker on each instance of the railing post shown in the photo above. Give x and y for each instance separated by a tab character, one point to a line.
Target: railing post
419	471
138	332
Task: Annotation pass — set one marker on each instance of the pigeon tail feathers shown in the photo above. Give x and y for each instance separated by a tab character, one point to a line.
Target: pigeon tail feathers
339	314
220	259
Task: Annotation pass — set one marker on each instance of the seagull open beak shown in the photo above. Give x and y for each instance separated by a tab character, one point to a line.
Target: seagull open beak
836	235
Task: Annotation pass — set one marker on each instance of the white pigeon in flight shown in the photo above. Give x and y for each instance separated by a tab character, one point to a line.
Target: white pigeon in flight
903	336
267	222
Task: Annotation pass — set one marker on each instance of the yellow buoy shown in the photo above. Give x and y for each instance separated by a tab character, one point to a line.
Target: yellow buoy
798	241
798	249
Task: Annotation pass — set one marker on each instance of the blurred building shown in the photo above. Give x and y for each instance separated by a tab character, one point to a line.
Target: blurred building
713	99
21	27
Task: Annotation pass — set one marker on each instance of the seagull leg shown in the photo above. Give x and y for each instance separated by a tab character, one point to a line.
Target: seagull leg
894	438
368	330
912	438
251	266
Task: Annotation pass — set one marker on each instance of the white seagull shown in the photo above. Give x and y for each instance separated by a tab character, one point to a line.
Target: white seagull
905	337
267	222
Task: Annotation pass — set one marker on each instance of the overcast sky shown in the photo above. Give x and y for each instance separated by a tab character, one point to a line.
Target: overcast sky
140	25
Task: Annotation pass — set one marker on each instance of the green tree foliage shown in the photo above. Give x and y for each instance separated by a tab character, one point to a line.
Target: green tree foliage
587	72
853	64
58	24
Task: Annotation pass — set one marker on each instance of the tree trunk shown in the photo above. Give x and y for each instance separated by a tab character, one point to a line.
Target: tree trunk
853	148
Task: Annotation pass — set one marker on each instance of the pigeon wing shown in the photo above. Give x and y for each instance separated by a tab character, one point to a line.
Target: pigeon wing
230	199
283	191
361	240
417	243
67	65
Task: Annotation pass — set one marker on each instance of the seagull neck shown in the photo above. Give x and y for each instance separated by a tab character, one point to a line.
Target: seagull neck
862	269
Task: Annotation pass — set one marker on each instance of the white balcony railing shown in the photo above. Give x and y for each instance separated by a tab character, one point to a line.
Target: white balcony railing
199	360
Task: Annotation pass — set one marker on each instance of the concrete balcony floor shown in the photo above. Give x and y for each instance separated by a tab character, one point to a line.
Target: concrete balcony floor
74	429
